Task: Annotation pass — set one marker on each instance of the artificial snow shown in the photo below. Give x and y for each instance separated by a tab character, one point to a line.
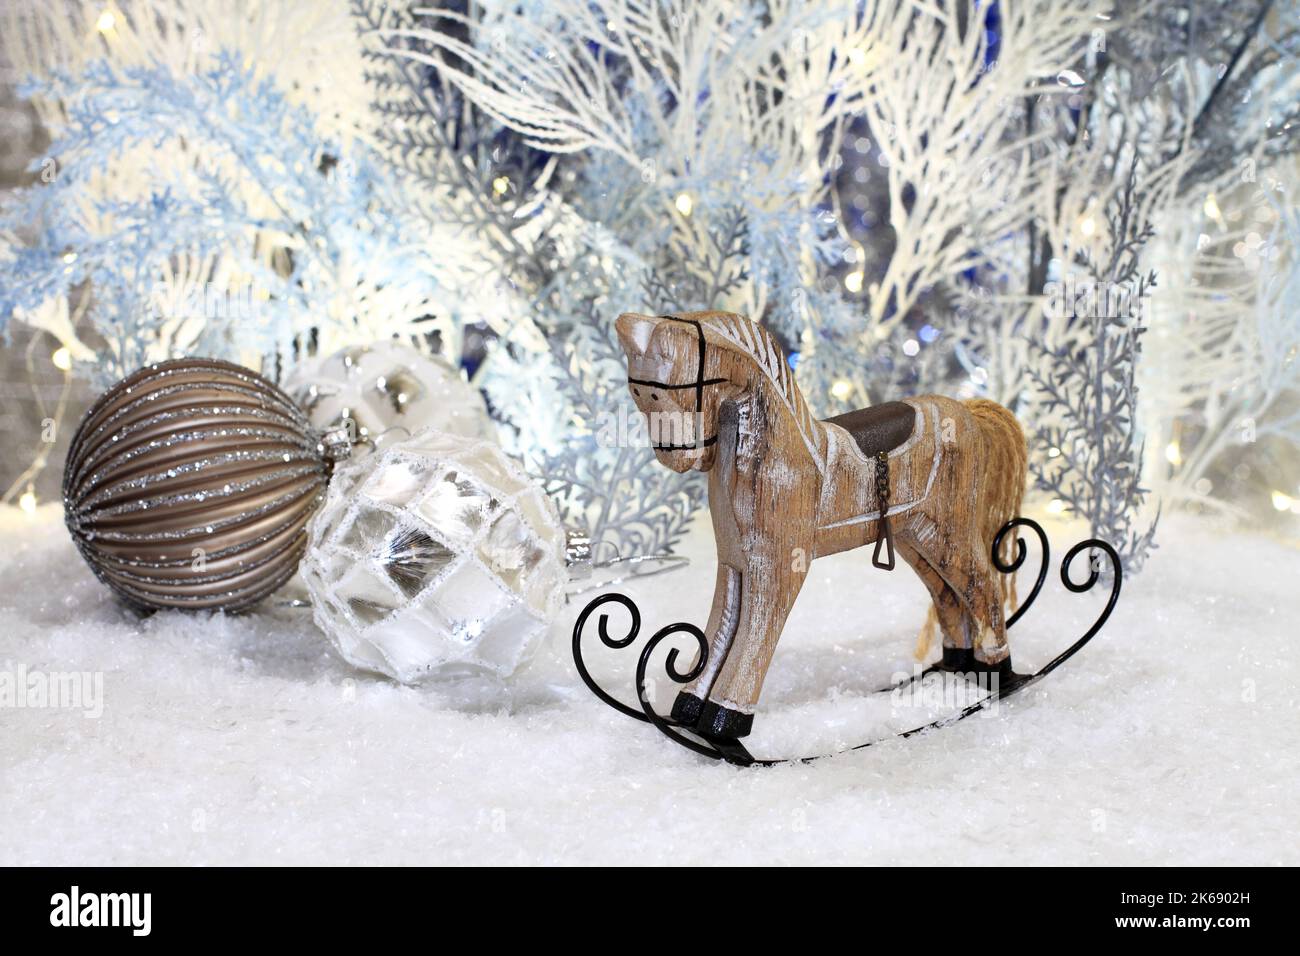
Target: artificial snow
244	739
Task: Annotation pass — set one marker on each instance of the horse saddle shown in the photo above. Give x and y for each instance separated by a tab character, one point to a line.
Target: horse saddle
878	428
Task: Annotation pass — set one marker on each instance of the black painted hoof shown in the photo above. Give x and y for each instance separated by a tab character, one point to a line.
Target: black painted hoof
686	710
1009	680
718	722
962	660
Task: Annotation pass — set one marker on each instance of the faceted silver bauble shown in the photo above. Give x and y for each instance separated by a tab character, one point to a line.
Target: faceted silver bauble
385	386
434	557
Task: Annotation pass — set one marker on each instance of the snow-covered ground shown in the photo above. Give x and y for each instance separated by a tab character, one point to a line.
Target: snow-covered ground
1172	738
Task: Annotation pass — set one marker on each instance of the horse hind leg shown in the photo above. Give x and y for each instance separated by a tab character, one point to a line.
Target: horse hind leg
975	636
946	611
992	652
985	605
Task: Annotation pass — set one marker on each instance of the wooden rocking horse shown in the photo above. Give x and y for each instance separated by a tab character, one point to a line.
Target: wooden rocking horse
929	477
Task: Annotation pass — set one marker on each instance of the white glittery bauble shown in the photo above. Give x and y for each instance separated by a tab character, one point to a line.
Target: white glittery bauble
435	557
388	385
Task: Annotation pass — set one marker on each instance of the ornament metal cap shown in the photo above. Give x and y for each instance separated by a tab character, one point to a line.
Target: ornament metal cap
336	443
577	554
581	565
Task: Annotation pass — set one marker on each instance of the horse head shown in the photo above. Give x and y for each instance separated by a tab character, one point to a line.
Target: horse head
678	382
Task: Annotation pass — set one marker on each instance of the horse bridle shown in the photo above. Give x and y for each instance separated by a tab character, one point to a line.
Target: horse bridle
698	385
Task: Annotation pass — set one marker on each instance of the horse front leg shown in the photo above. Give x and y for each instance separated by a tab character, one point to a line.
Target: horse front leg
769	586
720	632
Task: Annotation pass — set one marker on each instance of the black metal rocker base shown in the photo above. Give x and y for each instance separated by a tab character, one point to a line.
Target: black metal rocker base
713	731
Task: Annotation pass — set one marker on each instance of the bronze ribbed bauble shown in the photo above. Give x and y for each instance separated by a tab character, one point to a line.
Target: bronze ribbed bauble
189	485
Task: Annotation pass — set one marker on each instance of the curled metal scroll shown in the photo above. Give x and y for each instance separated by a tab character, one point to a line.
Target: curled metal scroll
734	752
664	724
1012	566
610	642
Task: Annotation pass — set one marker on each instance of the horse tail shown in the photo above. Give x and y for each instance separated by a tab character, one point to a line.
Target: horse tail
1002	489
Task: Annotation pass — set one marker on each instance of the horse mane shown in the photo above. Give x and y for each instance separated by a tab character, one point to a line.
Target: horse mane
759	344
